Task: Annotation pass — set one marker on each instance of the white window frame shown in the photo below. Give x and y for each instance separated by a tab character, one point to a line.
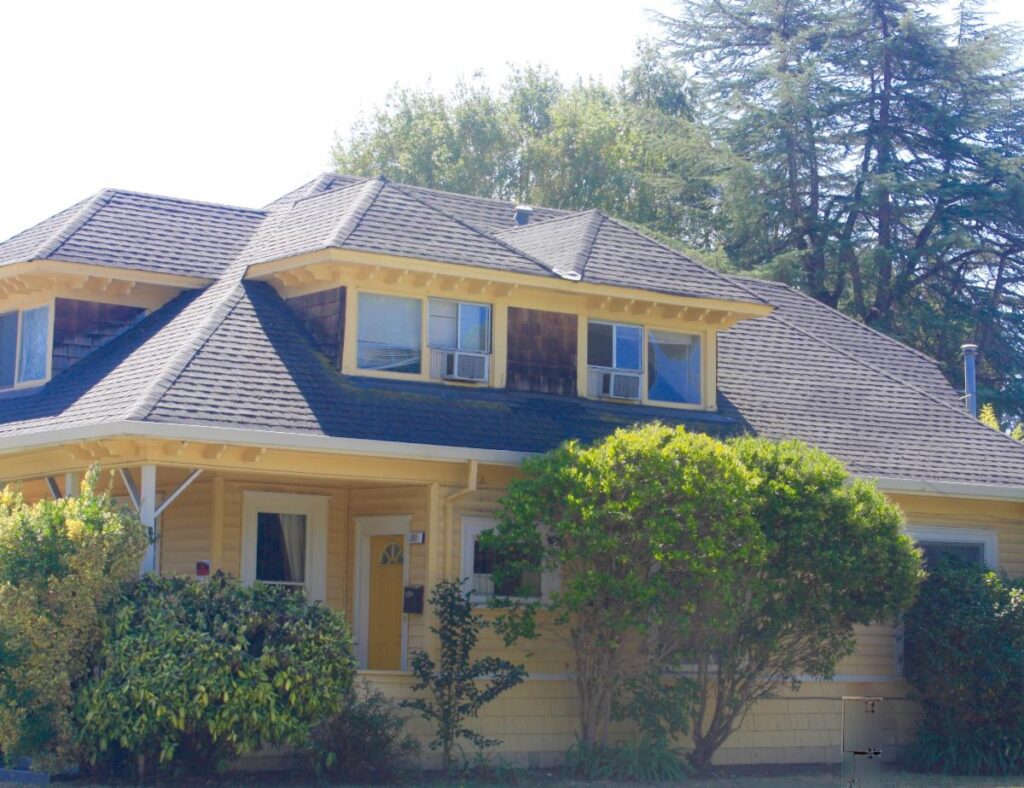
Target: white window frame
459	303
20	312
314	507
989	540
471	528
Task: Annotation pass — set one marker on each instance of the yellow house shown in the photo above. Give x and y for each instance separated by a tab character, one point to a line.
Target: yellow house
332	392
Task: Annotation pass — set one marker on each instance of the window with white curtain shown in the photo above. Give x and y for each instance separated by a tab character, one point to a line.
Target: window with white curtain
390	332
284	541
673	367
281	548
479	564
24	346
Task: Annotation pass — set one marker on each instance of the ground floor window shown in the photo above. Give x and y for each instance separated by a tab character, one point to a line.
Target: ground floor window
480	563
284	541
969	544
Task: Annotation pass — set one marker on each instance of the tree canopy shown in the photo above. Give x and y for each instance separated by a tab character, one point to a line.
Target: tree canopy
865	151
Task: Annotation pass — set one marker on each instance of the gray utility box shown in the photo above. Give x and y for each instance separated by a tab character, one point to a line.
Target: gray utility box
861	742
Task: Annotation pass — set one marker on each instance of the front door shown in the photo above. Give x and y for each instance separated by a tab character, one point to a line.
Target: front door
387	555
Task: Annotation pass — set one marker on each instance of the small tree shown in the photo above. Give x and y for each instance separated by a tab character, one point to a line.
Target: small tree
751	560
460	686
835	556
646	527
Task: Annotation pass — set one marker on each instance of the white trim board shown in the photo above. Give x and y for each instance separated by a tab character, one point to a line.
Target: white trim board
367	526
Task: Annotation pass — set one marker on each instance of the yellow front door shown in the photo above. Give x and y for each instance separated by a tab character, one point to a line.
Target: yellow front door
387	555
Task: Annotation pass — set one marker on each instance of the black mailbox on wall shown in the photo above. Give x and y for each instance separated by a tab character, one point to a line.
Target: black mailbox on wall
412	599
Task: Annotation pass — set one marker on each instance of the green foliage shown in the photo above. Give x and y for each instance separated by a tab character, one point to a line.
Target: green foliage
192	674
964	657
748	560
366	742
459	685
61	565
647	527
990	418
879	163
646	761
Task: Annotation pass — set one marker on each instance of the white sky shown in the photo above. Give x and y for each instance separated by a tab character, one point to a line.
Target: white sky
238	102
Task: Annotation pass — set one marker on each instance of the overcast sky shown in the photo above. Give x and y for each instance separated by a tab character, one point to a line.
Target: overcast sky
238	102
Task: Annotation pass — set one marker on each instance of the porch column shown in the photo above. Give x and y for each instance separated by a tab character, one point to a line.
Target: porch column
71	484
147	513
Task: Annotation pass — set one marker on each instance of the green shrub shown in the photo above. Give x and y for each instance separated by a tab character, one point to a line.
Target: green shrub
193	674
366	742
646	760
964	657
459	685
61	564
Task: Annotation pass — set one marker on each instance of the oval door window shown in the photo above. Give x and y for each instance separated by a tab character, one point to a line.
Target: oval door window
391	554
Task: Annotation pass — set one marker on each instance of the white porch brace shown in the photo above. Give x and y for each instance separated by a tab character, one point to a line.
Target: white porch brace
144	499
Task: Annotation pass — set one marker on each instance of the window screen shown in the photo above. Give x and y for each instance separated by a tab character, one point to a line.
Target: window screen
35	336
389	333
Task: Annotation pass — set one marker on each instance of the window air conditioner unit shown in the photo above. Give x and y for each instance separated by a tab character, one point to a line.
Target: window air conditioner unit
620	385
459	365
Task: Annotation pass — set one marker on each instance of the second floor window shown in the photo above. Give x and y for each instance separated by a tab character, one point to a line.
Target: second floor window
458	325
390	331
616	356
24	346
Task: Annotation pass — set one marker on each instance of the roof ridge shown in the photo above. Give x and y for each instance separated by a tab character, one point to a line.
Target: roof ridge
885	373
368	193
713	271
464	196
186	200
489	236
74	223
595	220
843	315
318	185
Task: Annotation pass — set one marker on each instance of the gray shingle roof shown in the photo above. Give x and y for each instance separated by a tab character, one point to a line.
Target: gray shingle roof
169	236
233	354
141	232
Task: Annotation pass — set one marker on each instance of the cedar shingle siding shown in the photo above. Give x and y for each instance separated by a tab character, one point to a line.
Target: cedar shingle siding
79	327
541	351
323	315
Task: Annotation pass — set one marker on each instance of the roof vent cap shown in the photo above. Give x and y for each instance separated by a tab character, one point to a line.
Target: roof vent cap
572	276
523	214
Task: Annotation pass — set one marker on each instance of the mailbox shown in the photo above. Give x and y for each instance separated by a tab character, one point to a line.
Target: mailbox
412	599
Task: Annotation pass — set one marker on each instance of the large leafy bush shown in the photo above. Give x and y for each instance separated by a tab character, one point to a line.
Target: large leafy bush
736	567
193	674
61	564
964	656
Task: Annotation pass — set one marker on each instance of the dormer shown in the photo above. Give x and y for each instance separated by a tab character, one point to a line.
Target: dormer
410	284
77	279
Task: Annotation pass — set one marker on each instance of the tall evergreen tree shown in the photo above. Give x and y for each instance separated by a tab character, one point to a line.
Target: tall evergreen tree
881	169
